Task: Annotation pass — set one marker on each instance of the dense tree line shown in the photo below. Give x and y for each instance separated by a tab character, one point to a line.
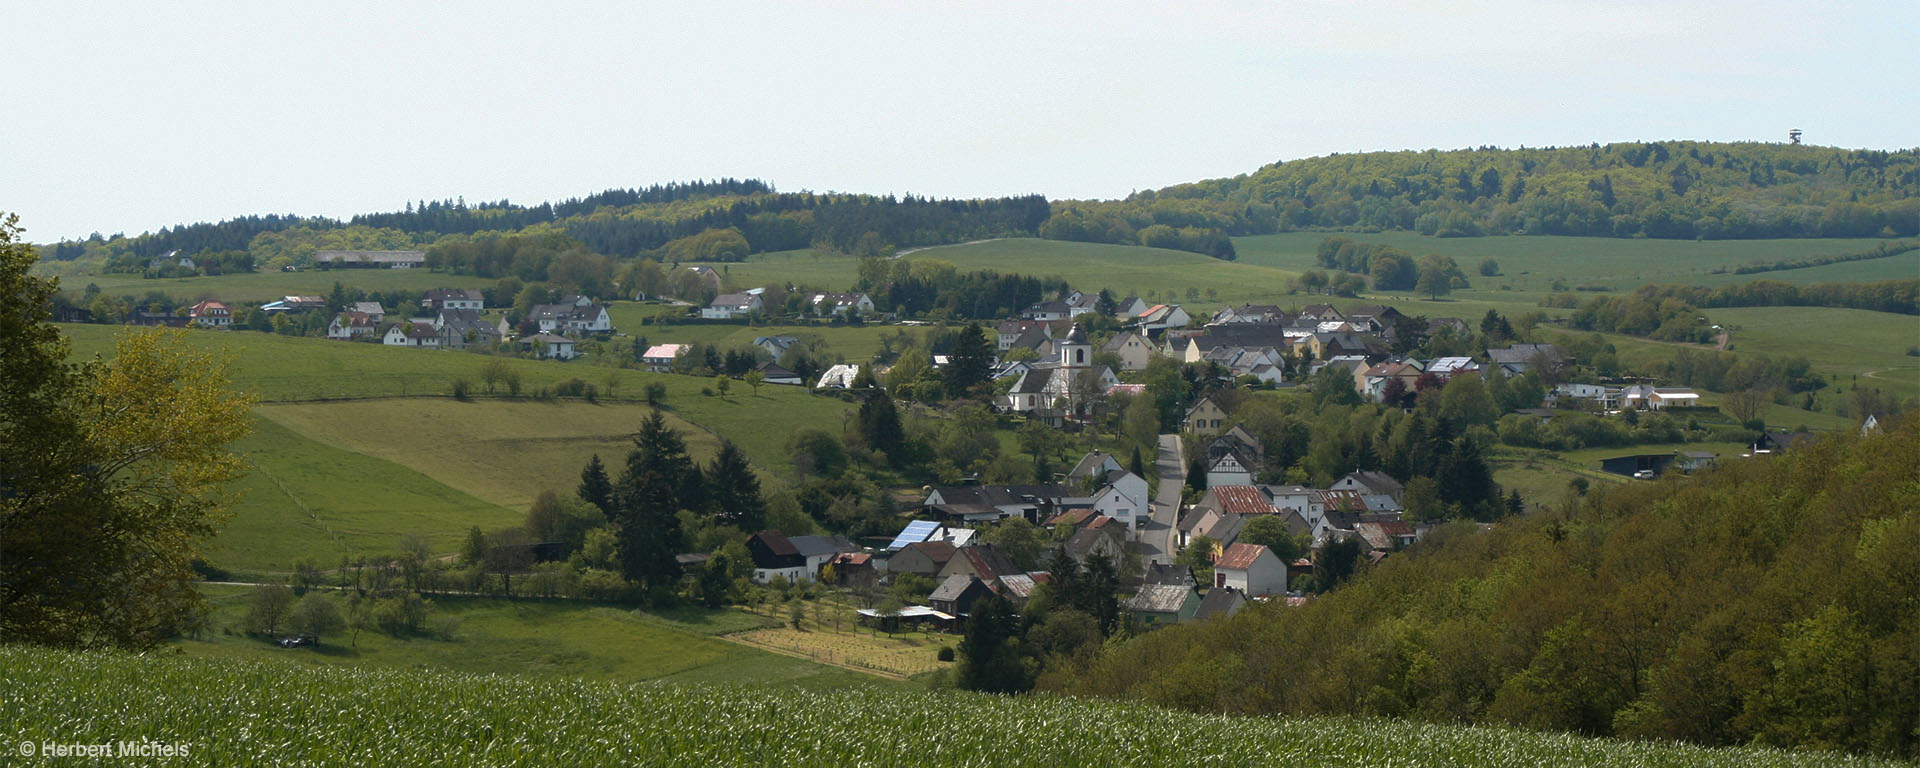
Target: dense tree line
1674	189
447	217
1180	228
1391	269
1647	312
1676	610
1880	251
1902	296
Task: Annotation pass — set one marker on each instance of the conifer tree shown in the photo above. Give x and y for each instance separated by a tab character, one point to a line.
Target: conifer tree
733	491
651	492
595	488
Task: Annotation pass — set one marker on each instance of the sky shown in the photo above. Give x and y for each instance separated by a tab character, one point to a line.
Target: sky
131	116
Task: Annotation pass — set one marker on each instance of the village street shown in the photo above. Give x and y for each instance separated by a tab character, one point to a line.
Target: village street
1158	536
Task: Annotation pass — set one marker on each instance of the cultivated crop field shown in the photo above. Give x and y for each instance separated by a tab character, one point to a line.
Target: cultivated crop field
236	713
830	633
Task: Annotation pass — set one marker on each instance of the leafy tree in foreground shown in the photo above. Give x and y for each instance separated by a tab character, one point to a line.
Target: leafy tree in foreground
110	473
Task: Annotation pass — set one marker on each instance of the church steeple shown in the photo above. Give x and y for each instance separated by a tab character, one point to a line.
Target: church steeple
1075	352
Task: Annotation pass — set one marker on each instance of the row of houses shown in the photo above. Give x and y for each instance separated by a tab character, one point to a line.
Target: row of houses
736	306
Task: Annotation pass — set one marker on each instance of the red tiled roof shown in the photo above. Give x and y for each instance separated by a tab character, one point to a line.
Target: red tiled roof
1242	500
1240	556
1070	517
1099	521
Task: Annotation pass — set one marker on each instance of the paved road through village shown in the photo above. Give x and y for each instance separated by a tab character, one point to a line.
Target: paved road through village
1158	536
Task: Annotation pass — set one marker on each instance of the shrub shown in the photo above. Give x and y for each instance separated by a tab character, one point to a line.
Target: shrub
946	653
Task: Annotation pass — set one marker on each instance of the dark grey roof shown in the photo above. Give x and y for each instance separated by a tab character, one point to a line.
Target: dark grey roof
1159	598
1220	601
811	546
1524	353
951	589
1169	573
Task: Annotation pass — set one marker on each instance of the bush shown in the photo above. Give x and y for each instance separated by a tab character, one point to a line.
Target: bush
460	387
946	653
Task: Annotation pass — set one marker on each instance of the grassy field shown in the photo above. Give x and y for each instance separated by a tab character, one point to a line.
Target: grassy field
503	452
1531	264
282	369
259	713
267	286
539	638
304	498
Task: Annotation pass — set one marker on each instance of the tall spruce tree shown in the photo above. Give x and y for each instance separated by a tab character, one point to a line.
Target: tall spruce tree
970	363
880	425
648	498
733	492
991	656
595	488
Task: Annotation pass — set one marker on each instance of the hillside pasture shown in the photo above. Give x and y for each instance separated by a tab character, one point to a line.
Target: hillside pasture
303	498
504	452
1531	264
282	369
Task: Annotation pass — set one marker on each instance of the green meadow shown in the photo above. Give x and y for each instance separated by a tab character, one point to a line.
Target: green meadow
504	452
268	286
539	638
302	498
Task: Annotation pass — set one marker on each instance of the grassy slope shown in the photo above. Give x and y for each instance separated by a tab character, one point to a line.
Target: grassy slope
541	638
257	713
283	369
304	498
267	286
504	452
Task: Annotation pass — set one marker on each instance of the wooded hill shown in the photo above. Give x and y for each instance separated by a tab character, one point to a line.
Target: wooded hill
1661	189
1672	189
1774	600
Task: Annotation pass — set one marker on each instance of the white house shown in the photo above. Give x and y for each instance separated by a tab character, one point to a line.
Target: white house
347	325
412	334
547	346
659	357
825	304
574	314
730	306
453	298
1250	568
1162	317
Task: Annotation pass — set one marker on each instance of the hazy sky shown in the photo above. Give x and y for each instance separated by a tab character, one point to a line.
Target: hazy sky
126	117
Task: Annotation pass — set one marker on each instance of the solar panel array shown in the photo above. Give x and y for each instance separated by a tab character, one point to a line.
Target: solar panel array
915	531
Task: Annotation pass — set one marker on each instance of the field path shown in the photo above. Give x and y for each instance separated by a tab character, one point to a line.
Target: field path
898	254
1876	374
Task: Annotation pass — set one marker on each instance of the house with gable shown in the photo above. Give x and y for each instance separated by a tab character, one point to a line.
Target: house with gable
574	314
547	346
1161	317
984	561
1368	481
1220	602
210	314
732	306
926	558
1163	604
775	555
1250	568
1100	537
413	333
1205	417
1132	348
462	328
1233	458
659	357
957	593
1517	359
351	325
839	304
1130	307
453	298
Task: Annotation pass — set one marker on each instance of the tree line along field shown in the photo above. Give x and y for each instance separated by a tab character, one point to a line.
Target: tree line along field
230	712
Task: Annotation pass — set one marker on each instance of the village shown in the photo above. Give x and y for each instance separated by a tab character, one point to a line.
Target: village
1193	533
